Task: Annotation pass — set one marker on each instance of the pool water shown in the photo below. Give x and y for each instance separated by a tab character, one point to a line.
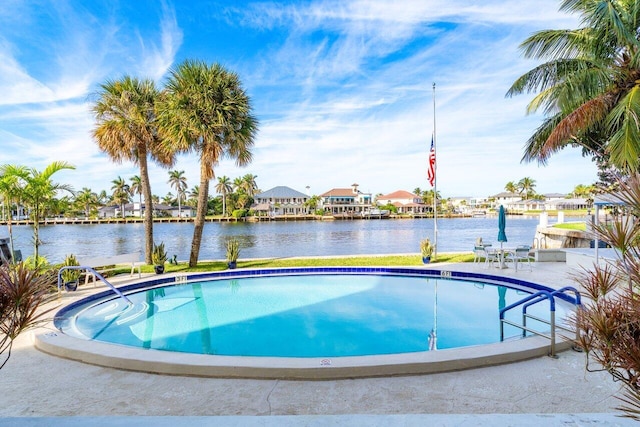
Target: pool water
306	316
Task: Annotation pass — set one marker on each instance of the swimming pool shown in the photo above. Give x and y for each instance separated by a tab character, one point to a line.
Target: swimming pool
320	315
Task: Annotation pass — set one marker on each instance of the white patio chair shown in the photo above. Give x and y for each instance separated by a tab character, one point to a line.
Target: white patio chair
479	254
520	255
491	257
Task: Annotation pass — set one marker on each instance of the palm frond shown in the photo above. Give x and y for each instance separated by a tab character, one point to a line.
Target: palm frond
624	146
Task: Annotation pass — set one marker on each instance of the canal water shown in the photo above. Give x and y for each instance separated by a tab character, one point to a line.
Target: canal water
276	238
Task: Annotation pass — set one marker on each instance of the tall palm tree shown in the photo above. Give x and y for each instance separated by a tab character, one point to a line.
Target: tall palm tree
136	188
589	86
38	191
178	181
12	180
126	130
207	111
120	193
224	187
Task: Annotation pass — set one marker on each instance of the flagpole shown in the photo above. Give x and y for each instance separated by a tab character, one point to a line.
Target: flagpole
435	179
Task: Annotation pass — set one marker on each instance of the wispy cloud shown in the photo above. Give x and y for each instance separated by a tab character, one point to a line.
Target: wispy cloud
157	59
342	88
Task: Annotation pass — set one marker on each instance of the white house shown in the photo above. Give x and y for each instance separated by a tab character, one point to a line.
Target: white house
346	200
404	201
281	200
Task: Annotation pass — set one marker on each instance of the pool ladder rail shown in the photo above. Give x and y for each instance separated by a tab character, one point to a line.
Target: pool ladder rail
535	299
96	274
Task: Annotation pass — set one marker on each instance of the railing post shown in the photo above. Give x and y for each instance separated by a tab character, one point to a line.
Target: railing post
553	333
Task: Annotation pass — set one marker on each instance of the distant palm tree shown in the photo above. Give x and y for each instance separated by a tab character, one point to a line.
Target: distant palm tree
178	181
87	199
526	186
193	195
249	184
224	187
120	193
168	199
126	130
511	187
136	188
103	197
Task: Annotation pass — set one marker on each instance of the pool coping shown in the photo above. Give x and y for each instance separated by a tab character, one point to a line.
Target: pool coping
188	364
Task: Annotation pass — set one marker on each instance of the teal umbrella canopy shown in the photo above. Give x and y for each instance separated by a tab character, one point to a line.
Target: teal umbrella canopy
502	220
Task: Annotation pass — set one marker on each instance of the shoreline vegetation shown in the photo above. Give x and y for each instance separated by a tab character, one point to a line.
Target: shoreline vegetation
310	217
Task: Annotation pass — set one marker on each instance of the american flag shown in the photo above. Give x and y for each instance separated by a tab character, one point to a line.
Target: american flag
431	170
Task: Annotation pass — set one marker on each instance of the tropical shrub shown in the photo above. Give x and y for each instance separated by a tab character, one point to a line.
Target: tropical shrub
22	292
239	213
609	323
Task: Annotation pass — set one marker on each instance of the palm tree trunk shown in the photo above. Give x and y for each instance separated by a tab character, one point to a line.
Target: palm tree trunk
201	213
148	206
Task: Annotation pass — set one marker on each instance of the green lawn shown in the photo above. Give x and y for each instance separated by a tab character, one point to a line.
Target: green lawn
579	226
387	260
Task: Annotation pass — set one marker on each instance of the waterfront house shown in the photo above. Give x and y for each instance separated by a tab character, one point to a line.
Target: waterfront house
136	210
506	198
281	200
404	201
346	201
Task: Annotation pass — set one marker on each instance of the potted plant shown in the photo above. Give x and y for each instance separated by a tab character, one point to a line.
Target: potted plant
233	251
158	257
426	249
70	277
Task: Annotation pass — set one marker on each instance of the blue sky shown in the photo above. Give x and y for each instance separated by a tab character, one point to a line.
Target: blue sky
342	89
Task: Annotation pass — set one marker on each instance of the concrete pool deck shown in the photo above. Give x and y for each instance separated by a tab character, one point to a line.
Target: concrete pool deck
551	391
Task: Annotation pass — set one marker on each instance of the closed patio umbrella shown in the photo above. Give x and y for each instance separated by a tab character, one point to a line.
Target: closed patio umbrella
502	236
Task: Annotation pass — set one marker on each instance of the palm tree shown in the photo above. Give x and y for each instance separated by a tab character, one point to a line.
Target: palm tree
12	179
103	198
526	186
168	199
120	193
86	199
589	86
193	196
207	111
511	187
249	185
126	130
178	181
38	191
136	188
224	187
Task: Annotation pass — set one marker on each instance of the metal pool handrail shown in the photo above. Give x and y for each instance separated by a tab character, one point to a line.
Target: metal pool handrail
95	273
532	300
